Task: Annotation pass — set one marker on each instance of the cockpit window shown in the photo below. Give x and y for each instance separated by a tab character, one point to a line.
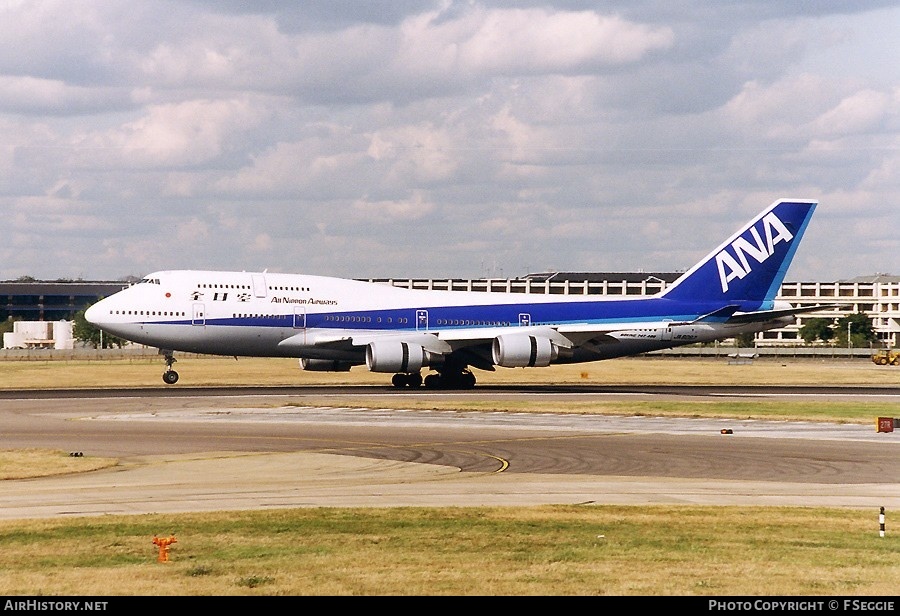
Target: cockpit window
149	280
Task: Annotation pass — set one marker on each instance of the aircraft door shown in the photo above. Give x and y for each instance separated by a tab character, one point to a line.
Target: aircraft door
421	320
300	322
524	319
666	333
259	285
198	316
299	317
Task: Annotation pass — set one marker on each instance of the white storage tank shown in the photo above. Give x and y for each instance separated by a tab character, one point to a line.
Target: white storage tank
62	335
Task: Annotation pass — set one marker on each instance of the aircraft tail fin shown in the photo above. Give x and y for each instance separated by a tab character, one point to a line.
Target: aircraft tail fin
748	268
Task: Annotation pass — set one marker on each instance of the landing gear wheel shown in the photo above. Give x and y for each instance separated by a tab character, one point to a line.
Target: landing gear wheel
467	380
401	379
450	380
433	381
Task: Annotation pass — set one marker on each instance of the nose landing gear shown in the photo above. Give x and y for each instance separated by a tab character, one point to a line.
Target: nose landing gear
170	377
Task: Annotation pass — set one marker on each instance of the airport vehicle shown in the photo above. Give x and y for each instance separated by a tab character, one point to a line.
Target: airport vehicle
885	357
332	324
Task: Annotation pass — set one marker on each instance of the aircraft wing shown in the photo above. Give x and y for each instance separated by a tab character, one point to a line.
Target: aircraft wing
475	343
447	341
339	340
467	337
428	341
347	339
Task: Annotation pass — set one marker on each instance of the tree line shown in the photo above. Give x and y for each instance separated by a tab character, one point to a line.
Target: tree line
851	330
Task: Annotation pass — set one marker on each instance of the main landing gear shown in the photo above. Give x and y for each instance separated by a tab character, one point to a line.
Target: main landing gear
462	379
170	377
406	379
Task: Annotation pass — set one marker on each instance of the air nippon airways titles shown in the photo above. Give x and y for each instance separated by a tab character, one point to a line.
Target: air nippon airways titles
333	324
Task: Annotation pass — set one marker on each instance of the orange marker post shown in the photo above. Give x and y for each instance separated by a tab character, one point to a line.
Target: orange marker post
163	544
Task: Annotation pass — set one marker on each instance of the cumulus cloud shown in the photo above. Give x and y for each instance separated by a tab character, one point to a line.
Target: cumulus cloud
439	138
861	112
183	134
517	41
388	212
36	96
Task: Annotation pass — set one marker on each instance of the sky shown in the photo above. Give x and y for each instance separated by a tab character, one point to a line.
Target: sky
442	138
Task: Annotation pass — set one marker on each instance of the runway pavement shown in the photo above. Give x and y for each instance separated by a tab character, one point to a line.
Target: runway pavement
238	449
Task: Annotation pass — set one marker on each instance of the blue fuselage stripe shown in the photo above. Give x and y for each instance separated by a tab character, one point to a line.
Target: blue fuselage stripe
469	316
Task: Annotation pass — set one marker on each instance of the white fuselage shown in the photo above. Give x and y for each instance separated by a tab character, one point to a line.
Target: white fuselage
253	314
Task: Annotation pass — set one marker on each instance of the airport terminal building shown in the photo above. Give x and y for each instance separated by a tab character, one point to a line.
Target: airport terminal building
878	296
51	301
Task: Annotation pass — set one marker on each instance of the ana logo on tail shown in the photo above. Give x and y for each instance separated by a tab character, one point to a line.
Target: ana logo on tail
736	265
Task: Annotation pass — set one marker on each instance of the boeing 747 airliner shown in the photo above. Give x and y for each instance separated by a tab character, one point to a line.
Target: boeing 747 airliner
332	324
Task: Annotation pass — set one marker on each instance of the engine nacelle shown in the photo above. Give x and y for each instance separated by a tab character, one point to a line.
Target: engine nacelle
395	356
325	365
523	350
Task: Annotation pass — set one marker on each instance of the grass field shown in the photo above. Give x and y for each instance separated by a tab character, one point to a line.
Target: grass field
546	550
201	371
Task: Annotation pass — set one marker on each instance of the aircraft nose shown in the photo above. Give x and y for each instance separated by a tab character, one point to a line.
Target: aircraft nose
93	314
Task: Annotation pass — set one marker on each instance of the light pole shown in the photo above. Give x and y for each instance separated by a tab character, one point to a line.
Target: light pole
848	333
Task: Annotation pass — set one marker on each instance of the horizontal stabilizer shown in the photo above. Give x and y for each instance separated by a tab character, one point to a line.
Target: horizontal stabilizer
768	315
722	314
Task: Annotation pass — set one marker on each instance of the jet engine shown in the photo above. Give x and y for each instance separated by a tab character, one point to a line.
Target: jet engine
325	365
395	356
521	350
